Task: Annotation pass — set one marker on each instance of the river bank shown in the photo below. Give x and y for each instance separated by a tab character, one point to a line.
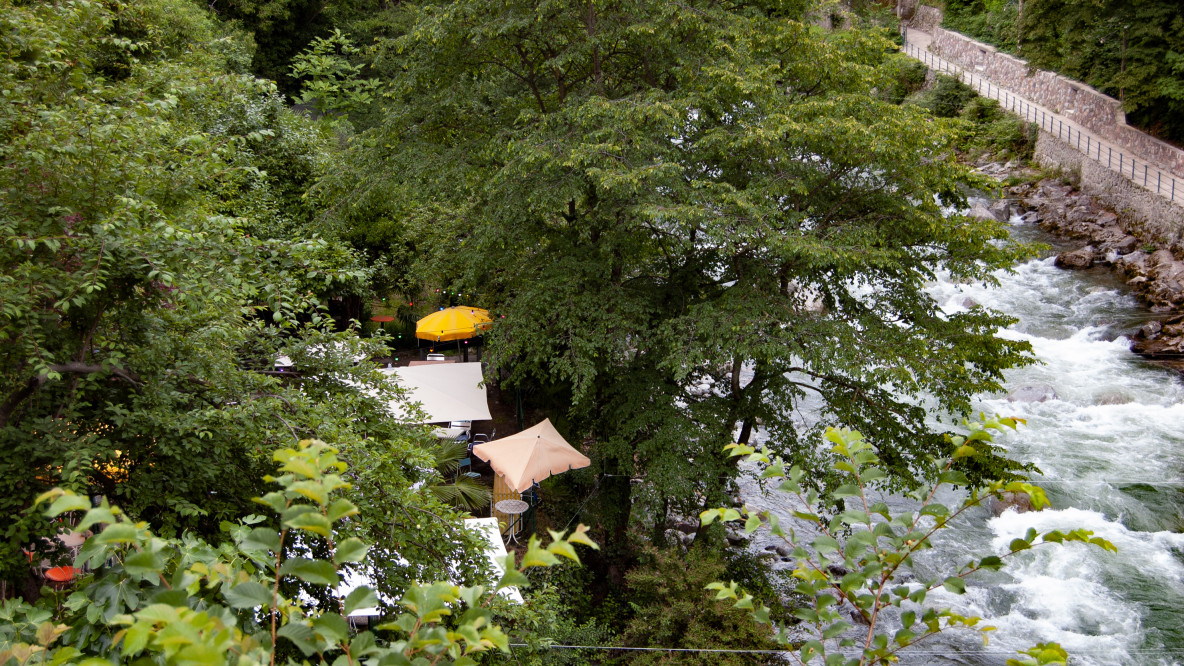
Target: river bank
1151	267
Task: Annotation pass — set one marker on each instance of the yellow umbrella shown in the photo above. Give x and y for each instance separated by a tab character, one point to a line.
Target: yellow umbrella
455	323
531	456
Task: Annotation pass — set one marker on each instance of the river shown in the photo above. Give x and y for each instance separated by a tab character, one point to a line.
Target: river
1110	447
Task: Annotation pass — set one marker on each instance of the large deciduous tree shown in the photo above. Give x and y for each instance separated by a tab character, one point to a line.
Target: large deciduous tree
695	217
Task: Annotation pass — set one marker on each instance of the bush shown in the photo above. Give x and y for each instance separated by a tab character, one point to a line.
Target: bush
550	617
949	96
754	574
982	110
945	99
153	600
908	76
670	611
998	132
1011	137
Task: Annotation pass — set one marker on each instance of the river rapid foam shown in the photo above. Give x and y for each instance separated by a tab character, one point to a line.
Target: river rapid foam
1110	447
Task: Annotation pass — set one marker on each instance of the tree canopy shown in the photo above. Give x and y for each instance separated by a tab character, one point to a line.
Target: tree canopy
693	217
149	283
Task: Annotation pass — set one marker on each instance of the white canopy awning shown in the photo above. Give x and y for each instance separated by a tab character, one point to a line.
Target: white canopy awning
446	392
495	551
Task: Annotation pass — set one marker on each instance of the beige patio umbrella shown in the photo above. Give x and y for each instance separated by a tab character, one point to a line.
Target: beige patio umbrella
531	456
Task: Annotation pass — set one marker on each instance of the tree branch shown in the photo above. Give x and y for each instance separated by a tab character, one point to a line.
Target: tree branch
79	368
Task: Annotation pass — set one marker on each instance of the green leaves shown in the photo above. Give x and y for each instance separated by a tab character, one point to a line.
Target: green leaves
955	584
726	515
361	597
62	502
350	550
1041	654
184	600
317	572
250	594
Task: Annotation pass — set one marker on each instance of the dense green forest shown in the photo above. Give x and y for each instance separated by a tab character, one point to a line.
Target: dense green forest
688	219
1132	51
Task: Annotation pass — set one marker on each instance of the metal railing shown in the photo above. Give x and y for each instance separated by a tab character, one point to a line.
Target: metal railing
1140	172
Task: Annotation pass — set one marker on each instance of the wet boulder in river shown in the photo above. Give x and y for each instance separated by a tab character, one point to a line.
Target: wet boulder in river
1001	209
1082	258
1018	501
981	212
1033	393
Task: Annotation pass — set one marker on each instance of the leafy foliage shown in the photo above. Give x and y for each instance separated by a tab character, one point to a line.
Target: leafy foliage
947	98
669	611
333	84
281	29
693	217
148	283
1133	51
908	78
860	560
184	601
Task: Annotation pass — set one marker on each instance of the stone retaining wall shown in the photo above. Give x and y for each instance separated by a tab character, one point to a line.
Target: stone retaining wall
1098	113
926	19
1142	213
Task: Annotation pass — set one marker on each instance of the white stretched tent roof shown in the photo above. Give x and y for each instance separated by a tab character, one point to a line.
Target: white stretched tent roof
446	392
496	551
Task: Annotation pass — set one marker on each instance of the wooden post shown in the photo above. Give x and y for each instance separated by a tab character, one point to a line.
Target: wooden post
502	491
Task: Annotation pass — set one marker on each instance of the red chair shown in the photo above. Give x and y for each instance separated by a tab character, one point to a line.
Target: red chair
61	575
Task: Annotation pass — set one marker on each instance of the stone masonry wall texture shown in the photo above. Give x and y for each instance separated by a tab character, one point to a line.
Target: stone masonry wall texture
1143	213
1089	108
926	19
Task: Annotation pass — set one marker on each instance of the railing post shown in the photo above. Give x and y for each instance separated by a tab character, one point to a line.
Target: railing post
1109	157
1144	174
1158	180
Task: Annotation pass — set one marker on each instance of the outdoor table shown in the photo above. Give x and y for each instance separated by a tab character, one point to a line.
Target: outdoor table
72	540
512	507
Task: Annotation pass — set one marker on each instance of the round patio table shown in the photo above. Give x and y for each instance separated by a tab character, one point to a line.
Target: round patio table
512	507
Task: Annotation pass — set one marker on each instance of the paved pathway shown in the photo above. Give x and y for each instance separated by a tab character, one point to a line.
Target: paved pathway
1119	160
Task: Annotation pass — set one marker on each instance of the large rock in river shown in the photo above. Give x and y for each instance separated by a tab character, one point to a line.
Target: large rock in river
1001	209
1161	340
1018	501
1033	393
1081	258
981	212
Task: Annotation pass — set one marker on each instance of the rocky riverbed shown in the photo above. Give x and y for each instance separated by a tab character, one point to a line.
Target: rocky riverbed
1154	272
